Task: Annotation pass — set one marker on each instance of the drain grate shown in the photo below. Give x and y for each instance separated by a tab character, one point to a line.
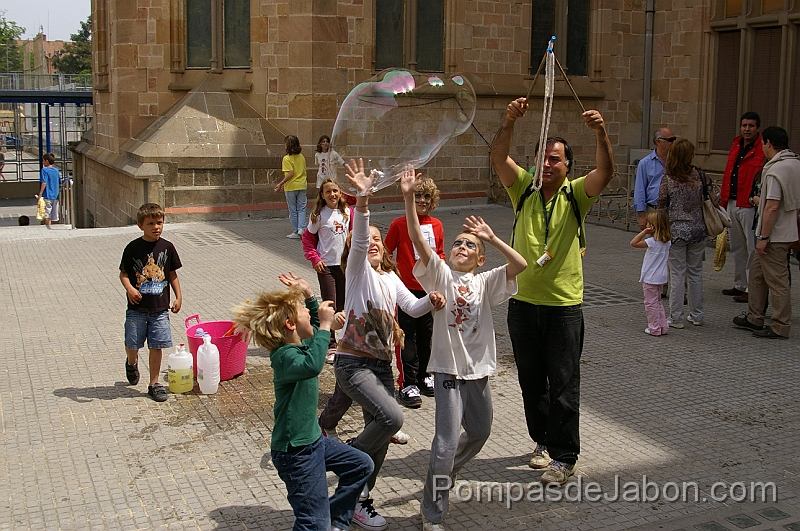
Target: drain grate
596	296
212	238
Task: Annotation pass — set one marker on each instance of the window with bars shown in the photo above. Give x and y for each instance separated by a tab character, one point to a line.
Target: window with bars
217	33
409	34
568	20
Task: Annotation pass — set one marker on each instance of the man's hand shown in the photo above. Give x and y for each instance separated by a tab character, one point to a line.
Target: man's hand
478	227
516	109
325	313
594	120
761	247
319	267
408	181
356	175
290	279
642	219
439	301
176	305
134	297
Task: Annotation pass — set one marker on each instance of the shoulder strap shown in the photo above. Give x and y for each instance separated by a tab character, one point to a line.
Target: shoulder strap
528	191
703	180
575	210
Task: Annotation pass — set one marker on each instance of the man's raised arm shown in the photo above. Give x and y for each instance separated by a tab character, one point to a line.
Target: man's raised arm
505	167
598	178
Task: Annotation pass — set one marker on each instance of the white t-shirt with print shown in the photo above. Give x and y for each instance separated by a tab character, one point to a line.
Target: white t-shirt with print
331	227
323	162
463	332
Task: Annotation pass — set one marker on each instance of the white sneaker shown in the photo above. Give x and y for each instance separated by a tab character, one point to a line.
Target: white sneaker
430	526
366	517
674	325
400	437
694	321
293	236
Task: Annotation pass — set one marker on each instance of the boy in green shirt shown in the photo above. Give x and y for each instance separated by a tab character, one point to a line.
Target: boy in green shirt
296	330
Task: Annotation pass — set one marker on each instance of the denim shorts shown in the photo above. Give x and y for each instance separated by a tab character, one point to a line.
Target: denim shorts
153	326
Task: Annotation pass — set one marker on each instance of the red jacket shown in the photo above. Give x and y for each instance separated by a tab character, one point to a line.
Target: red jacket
398	238
751	164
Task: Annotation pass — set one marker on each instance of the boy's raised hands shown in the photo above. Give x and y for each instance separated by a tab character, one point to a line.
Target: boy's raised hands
478	227
291	280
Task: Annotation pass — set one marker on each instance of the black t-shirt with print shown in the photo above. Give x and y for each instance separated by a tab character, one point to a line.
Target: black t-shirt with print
148	266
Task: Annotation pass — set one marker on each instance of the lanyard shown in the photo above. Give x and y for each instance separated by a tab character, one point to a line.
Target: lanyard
547	215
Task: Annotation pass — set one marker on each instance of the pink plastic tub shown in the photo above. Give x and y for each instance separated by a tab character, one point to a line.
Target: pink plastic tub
232	348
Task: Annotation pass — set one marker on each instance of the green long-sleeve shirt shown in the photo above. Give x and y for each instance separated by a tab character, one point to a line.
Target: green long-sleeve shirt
296	371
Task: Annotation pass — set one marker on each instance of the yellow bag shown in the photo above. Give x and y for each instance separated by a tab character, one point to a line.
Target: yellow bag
40	208
721	250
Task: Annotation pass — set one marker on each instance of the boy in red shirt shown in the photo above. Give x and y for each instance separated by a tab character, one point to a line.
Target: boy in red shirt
414	379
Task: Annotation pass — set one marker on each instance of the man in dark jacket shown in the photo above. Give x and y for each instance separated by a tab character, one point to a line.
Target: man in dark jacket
745	160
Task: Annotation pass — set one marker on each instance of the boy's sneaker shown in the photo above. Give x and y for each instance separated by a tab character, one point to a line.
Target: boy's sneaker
367	517
540	458
132	372
330	434
694	321
427	387
400	437
557	472
293	236
409	397
157	392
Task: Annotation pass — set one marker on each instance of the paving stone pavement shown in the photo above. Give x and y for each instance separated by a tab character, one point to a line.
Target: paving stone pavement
81	449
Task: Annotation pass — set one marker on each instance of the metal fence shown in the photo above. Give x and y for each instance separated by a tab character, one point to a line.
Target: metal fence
17	81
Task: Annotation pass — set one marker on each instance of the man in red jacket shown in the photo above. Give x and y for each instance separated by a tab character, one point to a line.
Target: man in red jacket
745	160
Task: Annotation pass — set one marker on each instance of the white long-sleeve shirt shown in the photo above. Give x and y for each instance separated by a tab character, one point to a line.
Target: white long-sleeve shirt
371	297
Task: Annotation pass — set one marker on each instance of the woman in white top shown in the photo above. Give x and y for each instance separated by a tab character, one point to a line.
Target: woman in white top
364	356
323	159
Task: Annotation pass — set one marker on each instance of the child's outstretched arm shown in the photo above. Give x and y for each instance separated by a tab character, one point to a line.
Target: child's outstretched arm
481	229
638	240
362	182
407	182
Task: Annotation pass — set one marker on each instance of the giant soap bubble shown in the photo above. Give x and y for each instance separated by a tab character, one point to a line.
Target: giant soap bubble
399	119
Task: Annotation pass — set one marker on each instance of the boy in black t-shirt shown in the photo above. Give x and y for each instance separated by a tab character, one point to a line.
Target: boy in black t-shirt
148	265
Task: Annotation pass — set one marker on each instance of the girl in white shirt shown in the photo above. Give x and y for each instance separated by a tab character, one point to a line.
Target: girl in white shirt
654	268
363	364
323	158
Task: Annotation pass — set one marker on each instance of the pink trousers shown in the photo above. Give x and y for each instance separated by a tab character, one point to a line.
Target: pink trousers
656	318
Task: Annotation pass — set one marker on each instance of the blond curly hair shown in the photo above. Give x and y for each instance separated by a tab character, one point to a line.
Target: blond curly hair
426	186
266	317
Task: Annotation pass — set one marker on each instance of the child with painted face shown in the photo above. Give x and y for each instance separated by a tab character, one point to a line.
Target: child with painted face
363	364
464	355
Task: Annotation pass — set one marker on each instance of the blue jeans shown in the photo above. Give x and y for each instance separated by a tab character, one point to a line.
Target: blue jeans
547	342
303	469
370	383
153	326
297	200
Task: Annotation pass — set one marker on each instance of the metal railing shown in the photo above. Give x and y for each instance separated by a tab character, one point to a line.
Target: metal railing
17	81
66	206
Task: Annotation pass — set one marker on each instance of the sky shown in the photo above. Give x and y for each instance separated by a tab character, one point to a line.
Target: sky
58	18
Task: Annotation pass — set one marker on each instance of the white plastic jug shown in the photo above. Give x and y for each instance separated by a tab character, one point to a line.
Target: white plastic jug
180	368
208	366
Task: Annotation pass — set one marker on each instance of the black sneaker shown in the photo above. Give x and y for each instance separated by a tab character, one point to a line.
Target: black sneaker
409	397
741	321
157	392
768	333
427	386
132	373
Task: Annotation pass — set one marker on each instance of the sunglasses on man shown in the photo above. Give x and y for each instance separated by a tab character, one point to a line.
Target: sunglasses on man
670	139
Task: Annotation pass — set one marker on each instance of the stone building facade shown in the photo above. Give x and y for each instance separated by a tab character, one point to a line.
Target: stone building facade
194	97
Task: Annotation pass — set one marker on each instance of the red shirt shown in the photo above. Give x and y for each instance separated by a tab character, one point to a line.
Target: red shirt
397	239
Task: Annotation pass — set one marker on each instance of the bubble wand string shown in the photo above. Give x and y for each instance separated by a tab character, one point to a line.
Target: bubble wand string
547	111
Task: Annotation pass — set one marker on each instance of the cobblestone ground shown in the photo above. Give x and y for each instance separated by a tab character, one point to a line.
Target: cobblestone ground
81	449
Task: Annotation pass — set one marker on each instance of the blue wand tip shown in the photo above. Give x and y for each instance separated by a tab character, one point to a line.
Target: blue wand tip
550	44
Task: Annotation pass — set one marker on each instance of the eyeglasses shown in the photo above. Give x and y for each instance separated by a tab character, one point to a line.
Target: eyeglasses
469	244
419	197
670	139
